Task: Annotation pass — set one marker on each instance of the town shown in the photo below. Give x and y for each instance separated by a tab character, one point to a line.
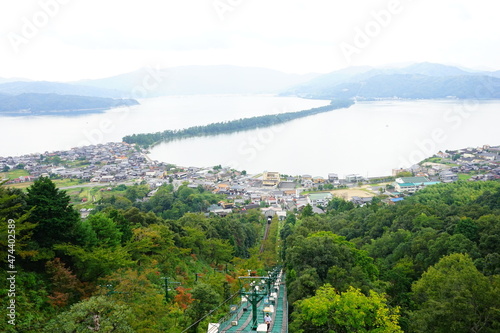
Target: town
106	166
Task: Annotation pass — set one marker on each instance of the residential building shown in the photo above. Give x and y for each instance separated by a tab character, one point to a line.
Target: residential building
333	178
318	180
412	184
354	178
271	178
361	201
321	198
448	176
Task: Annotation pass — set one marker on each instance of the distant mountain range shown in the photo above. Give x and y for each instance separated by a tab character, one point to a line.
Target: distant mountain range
16	97
418	81
45	87
42	97
185	80
191	80
41	104
12	79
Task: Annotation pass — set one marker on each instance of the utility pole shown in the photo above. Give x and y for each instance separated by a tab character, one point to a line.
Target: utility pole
111	290
166	287
221	271
255	295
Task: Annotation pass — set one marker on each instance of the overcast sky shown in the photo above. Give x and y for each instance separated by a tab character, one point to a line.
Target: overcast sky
62	40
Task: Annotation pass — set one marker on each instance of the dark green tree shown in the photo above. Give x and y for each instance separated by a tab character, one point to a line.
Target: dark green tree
105	229
333	258
13	221
339	205
307	211
205	300
136	192
453	296
97	313
468	228
51	210
490	199
349	311
123	224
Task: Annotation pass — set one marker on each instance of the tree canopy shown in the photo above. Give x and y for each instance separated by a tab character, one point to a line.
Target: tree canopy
430	263
349	311
453	296
51	210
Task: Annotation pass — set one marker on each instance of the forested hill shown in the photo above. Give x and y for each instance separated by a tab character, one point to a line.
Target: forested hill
34	103
430	263
411	86
60	88
435	256
151	139
417	81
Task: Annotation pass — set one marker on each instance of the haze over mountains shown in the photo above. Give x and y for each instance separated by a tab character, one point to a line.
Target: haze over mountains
40	96
45	87
20	98
192	80
43	104
417	81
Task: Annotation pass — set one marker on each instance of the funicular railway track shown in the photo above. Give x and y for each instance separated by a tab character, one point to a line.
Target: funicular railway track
259	295
266	234
249	314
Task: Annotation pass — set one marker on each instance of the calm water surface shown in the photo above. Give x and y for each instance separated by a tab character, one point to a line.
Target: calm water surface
32	134
369	138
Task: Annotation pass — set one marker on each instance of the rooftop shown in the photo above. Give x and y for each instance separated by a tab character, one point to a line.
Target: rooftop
412	180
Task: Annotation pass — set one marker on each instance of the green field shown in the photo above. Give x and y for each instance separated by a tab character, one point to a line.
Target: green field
13	174
463	176
59	182
91	194
78	194
432	160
